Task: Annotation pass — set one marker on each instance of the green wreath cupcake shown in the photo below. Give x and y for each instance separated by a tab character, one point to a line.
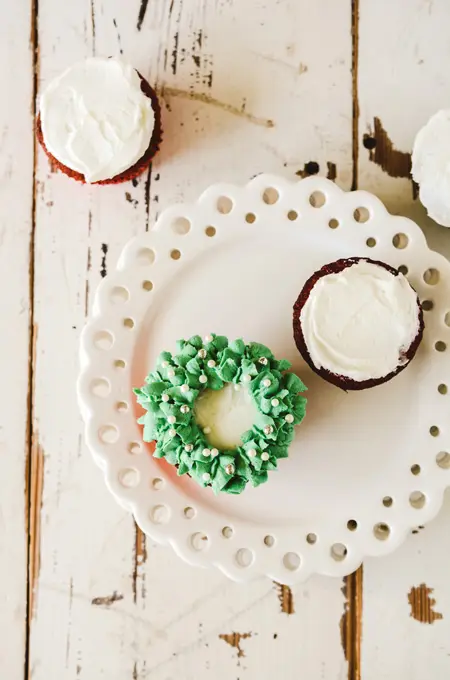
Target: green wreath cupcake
222	412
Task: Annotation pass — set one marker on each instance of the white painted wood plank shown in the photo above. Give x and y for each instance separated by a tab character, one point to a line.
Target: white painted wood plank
16	195
240	96
404	56
398	640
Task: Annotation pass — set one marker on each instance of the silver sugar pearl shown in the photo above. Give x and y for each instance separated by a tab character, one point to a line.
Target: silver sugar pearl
268	429
208	338
170	373
172	432
267	382
184	388
189	448
275	402
206	476
202	353
211	363
264	456
289	418
165	397
171	420
203	379
247	377
214	453
263	361
252	453
184	408
207	430
229	469
206	452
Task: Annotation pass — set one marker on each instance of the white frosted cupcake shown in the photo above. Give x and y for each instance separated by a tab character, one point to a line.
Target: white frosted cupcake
100	121
357	323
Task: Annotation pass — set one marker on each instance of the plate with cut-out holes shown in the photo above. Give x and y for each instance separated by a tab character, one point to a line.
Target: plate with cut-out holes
364	468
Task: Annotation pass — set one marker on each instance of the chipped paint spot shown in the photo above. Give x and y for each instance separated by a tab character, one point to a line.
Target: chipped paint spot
103	270
286	598
139	559
93	26
234	640
332	171
36	487
107	600
147	198
422	605
312	168
383	152
119	40
207	99
141	15
351	623
394	162
130	199
175	54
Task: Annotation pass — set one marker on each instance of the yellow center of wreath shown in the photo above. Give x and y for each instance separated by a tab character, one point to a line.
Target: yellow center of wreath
225	415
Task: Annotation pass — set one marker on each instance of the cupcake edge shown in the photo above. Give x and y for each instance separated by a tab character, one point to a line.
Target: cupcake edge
343	382
141	164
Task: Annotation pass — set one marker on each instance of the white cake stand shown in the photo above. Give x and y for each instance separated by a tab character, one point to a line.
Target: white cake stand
364	468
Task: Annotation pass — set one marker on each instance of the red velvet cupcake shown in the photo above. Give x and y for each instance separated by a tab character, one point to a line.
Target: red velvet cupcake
357	323
100	122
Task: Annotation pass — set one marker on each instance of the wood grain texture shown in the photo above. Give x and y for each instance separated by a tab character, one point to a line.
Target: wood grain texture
16	227
125	607
423	605
402	56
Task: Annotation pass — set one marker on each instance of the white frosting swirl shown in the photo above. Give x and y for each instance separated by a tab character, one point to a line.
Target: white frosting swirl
359	322
95	119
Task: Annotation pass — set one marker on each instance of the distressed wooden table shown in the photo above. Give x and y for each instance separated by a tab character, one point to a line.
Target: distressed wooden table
294	87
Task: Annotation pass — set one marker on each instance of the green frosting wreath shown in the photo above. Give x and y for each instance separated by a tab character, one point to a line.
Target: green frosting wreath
169	397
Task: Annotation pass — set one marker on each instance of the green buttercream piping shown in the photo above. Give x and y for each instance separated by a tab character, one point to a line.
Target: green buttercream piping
174	387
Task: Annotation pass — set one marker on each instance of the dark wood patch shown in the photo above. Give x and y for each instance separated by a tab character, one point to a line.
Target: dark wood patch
394	162
142	12
351	623
107	600
234	640
103	269
286	598
331	171
139	559
174	61
422	604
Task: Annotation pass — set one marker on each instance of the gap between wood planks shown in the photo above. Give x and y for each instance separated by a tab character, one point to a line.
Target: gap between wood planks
351	622
34	465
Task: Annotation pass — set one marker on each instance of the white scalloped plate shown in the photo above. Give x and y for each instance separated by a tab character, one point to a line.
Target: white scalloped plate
364	468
